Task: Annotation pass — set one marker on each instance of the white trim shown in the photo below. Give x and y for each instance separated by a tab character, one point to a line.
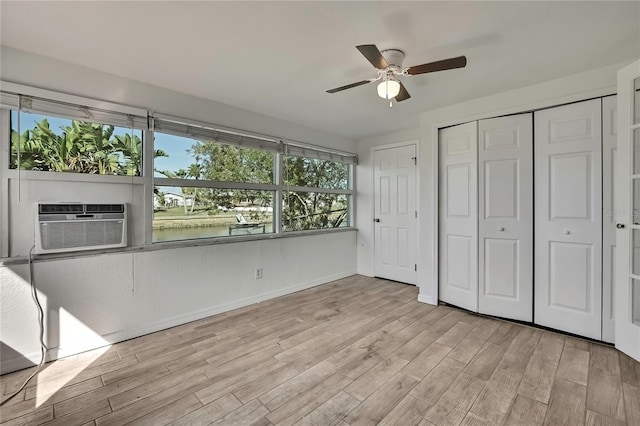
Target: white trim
424	298
13	364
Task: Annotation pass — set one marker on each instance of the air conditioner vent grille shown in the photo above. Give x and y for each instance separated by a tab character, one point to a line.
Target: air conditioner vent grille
60	208
104	208
64	235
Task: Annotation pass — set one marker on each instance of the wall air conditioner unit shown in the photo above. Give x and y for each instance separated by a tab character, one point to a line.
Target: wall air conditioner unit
77	227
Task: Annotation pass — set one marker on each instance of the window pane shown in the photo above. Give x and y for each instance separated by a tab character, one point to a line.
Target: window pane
636	92
189	213
63	145
635	267
309	210
302	171
187	158
635	308
636	151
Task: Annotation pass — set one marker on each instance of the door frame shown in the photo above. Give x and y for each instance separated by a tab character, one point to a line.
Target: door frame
627	334
372	228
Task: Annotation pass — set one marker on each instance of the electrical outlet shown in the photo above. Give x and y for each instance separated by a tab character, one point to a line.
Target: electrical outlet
258	273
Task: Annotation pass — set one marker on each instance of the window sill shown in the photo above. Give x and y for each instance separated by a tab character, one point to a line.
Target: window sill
168	245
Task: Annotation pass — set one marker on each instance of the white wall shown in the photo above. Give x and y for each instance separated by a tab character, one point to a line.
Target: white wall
33	70
576	87
94	300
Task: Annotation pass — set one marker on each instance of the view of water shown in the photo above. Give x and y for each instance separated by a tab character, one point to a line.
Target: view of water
205	232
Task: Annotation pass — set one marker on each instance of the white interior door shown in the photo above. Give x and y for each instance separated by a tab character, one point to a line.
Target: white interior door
395	214
458	215
627	288
568	218
505	201
609	159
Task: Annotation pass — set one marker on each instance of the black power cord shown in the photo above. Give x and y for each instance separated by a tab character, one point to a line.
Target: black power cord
43	346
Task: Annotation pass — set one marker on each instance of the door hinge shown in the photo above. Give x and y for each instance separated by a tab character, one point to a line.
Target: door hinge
416	213
415	267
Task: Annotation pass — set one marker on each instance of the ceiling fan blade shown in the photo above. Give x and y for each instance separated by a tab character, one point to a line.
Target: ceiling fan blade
403	95
445	64
373	55
348	86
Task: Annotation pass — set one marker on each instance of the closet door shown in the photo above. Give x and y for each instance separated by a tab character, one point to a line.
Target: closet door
505	170
609	158
568	218
458	216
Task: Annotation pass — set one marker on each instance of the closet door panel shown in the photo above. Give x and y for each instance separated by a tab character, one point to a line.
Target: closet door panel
458	216
568	218
506	217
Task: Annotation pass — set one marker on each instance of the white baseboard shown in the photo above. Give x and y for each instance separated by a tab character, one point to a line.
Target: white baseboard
427	299
14	364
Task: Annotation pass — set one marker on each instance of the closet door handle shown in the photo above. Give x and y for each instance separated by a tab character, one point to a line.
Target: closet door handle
620	225
567	232
501	229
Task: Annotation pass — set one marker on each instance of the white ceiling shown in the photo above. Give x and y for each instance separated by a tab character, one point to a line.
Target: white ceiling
278	58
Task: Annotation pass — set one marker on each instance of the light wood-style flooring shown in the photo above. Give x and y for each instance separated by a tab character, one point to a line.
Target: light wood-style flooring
358	351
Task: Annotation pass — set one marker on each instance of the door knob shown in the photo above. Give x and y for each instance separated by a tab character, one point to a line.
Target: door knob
501	229
620	225
567	232
376	220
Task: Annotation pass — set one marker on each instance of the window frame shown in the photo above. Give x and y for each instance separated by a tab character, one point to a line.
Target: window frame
148	181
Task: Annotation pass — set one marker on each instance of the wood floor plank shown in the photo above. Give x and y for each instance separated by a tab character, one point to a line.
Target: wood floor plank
369	382
431	388
303	381
305	402
538	379
331	412
170	411
248	414
79	402
381	402
152	403
484	363
474	341
631	403
34	417
574	366
210	412
453	406
604	395
567	405
356	351
549	346
495	399
526	412
629	370
597	419
426	361
410	411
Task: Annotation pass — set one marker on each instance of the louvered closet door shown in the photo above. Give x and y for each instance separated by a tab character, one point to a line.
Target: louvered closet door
505	208
458	218
568	218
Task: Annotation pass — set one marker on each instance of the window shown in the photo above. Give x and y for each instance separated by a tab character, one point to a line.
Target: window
52	144
317	194
225	202
200	180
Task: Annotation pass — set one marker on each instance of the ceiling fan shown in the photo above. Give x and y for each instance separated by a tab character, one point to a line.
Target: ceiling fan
389	66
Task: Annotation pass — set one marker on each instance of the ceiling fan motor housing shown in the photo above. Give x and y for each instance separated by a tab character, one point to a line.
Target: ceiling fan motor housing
394	57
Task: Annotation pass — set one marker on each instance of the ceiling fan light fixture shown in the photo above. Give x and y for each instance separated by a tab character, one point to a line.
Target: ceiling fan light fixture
388	89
